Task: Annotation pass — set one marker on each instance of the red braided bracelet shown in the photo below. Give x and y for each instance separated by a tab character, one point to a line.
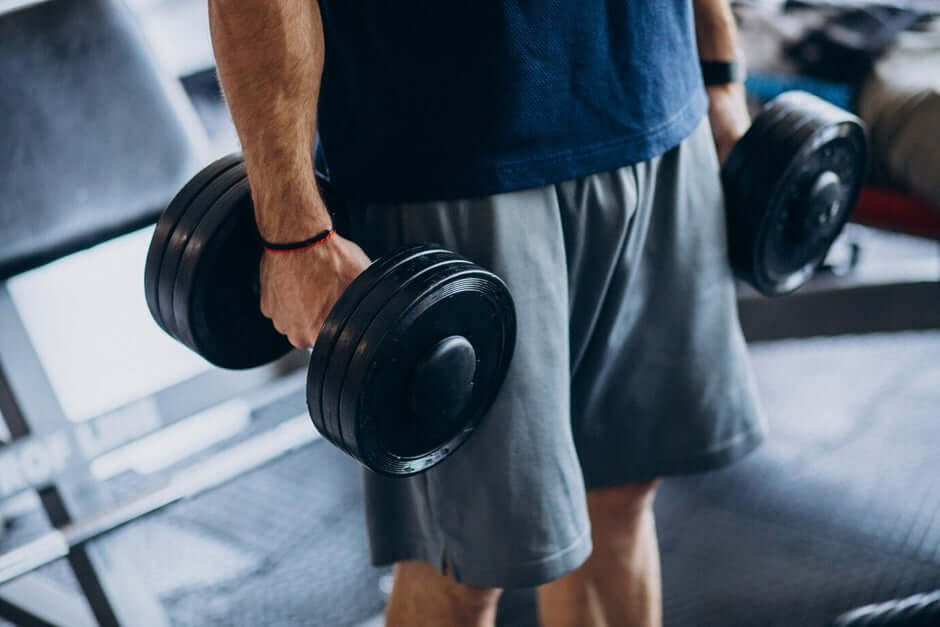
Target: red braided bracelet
319	238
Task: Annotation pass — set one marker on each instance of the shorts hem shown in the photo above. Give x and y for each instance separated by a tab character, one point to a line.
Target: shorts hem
506	575
716	457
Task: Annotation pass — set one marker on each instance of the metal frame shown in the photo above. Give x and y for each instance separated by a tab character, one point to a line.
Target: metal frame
35	600
108	580
81	508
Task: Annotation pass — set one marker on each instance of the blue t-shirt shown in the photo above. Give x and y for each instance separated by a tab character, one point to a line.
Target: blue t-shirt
445	99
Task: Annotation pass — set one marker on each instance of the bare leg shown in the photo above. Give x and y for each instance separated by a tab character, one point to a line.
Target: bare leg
422	597
619	585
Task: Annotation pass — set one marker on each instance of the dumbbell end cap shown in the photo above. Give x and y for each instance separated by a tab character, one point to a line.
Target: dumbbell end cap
442	381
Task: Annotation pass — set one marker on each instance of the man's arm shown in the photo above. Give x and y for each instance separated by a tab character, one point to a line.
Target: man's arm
717	36
270	57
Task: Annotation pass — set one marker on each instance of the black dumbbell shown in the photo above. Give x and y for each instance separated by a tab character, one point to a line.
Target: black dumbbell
408	361
790	185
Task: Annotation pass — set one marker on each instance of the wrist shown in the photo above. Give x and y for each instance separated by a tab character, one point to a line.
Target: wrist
722	73
287	218
298	245
733	91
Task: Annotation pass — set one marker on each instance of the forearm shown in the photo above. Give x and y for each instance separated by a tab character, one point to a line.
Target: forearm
715	30
269	55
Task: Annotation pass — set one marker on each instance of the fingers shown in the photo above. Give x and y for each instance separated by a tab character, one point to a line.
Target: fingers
298	291
300	341
299	337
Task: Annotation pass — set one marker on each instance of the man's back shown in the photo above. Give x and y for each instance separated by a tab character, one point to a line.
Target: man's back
440	100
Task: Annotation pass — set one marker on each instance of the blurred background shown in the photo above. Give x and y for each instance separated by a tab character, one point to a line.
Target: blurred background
840	508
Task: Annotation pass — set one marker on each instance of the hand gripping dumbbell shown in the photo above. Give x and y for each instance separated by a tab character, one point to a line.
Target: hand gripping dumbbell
407	362
790	185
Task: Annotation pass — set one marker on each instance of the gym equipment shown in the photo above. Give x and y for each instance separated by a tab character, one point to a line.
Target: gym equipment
50	177
192	481
896	211
408	361
35	462
790	185
846	45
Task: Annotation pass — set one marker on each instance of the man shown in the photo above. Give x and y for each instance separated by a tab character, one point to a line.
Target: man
562	145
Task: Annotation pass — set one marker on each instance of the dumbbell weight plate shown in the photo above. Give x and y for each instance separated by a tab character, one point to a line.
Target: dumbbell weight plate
764	165
809	231
774	242
750	142
742	173
373	312
793	242
787	140
336	321
392	436
758	184
399	269
179	238
216	300
335	329
166	225
766	168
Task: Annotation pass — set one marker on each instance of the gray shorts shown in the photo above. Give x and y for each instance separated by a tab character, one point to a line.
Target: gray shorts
629	364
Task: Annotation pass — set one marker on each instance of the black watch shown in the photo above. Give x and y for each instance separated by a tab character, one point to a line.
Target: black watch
723	72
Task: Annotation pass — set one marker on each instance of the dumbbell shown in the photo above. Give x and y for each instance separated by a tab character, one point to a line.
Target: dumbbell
407	362
790	185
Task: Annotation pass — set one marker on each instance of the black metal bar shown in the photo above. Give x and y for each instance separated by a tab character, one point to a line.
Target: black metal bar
859	309
20	614
84	570
41	601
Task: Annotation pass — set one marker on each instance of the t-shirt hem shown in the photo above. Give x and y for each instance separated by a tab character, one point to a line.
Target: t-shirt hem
394	186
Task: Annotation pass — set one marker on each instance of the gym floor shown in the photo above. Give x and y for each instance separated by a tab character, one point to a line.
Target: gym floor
839	508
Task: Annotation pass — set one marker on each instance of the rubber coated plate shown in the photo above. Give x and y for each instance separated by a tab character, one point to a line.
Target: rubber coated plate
167	223
766	166
776	260
746	146
743	168
336	321
787	253
335	326
216	300
401	267
347	343
384	324
392	300
180	237
766	180
456	300
839	148
780	136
